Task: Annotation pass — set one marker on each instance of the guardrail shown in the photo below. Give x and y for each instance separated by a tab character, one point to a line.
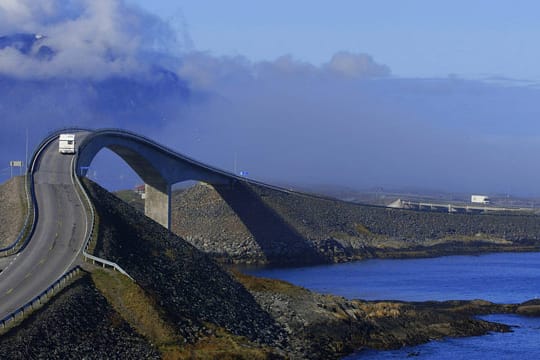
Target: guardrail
90	232
32	211
232	176
40	299
59	284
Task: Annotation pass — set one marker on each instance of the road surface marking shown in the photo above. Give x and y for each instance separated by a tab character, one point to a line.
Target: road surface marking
9	291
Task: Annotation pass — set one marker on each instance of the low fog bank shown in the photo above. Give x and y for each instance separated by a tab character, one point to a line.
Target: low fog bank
348	122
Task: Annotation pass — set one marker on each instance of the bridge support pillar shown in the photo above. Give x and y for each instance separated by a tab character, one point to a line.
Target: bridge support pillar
157	205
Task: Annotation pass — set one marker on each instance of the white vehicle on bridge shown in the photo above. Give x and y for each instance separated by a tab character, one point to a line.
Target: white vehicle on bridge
66	144
480	199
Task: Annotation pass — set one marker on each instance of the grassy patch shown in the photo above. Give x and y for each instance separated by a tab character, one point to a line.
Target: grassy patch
479	237
142	313
361	229
257	284
138	309
224	346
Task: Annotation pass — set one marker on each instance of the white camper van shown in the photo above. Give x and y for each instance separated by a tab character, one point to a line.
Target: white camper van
66	144
480	199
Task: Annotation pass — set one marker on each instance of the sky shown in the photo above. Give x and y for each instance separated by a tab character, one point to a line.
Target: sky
416	38
362	94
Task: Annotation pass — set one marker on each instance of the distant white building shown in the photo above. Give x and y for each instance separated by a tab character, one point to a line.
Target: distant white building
480	199
141	190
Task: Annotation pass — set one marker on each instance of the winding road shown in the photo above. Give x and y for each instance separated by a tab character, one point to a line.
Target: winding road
63	225
58	237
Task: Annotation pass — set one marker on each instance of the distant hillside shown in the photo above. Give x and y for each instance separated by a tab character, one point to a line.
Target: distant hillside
12	209
251	224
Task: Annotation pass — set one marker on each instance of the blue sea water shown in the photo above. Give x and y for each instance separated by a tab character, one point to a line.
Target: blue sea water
500	278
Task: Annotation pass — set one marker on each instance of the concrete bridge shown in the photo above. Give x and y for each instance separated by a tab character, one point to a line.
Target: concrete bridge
53	243
158	166
451	208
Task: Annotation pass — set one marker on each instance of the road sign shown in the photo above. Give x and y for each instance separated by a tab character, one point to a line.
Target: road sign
15	163
244	173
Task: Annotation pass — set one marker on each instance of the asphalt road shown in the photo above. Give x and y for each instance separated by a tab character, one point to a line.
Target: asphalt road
58	238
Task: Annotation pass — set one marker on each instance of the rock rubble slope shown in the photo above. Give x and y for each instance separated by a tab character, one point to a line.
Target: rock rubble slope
201	300
79	323
187	284
233	224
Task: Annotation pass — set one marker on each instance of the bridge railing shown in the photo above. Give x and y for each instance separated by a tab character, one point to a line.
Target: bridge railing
232	176
28	230
91	226
40	299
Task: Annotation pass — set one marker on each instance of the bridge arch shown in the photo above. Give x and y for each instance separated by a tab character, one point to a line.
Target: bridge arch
158	166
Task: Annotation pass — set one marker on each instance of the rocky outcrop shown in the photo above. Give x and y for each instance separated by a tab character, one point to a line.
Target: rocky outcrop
188	285
77	324
330	327
198	298
529	308
12	210
252	224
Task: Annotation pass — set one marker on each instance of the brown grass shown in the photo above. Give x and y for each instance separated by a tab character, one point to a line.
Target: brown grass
142	313
13	209
138	309
257	284
361	229
223	346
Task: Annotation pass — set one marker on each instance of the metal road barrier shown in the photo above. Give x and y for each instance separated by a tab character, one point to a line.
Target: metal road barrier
90	232
31	213
26	234
40	299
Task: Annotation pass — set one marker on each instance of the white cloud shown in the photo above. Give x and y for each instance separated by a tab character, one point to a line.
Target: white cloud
91	38
205	71
356	65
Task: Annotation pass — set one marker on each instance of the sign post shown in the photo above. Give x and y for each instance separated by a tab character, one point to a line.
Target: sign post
16	163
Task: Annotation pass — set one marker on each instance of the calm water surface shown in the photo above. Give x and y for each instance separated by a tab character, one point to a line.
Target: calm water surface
501	278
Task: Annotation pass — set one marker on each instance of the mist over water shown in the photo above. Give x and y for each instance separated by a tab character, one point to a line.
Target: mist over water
347	122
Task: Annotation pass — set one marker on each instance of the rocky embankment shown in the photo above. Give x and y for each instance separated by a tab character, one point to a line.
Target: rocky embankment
190	288
78	323
201	310
327	327
12	209
251	224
